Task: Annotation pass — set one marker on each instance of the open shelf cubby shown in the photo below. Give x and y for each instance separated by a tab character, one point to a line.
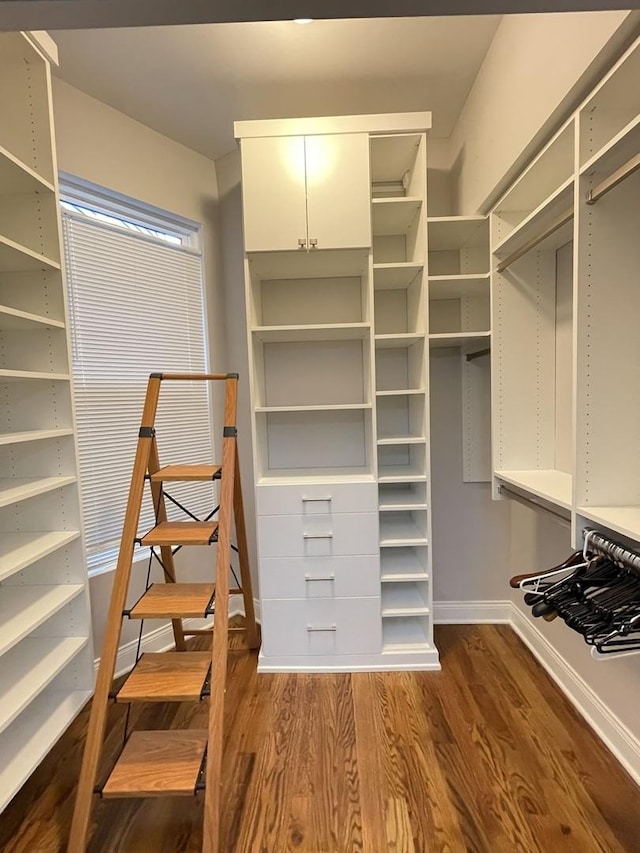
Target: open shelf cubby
397	163
405	599
532	354
403	527
404	564
399	310
401	419
400	368
411	633
402	463
612	112
398	230
458	245
393	497
541	192
607	484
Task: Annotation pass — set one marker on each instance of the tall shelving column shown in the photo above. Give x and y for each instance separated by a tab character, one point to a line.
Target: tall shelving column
398	215
46	659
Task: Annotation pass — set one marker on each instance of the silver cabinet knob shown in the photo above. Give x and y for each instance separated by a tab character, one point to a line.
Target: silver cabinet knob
313	242
302	243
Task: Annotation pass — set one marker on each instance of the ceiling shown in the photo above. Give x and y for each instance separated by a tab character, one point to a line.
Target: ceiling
192	82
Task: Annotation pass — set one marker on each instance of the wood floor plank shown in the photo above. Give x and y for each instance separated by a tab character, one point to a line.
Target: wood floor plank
485	757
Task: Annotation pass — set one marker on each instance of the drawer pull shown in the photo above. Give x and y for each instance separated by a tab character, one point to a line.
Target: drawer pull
314	628
310	500
310	578
318	535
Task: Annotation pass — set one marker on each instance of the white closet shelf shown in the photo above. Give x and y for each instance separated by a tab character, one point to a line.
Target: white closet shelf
396	532
395	276
400	474
616	152
19	550
29	668
401	439
319	332
559	201
401	566
30	738
12	318
400	499
24	608
400	341
550	485
392	156
622	519
337	407
315	476
452	233
17	177
19	375
404	599
390	216
405	635
400	392
457	339
457	286
327	263
33	435
17	258
13	490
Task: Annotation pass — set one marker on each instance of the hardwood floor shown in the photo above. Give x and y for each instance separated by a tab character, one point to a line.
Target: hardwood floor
486	756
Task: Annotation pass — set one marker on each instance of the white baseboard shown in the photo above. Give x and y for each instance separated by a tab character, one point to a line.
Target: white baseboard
609	728
471	612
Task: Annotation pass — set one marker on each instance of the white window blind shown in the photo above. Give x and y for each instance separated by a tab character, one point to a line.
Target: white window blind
136	307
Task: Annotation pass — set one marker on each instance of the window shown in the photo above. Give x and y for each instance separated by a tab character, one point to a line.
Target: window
136	306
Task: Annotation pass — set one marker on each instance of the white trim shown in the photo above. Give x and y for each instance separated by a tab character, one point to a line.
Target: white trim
609	728
381	123
471	612
41	41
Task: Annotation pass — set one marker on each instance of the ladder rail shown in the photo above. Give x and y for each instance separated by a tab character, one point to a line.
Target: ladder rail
111	642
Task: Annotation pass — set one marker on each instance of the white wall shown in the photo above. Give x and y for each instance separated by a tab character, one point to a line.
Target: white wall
99	144
536	69
470	531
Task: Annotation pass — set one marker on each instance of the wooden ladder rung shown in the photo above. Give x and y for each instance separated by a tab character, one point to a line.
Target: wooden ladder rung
182	533
167	677
184	473
158	763
175	601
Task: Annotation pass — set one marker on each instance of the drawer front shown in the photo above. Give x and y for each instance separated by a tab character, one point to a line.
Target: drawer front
339	626
320	577
315	499
318	535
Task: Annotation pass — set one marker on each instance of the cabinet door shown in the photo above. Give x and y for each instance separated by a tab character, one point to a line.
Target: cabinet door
338	190
273	192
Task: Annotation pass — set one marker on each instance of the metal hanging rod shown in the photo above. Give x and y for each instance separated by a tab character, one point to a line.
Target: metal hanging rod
614	179
613	550
553	226
471	356
531	504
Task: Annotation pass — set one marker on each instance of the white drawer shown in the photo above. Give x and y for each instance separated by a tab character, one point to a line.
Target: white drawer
337	626
320	577
318	535
316	499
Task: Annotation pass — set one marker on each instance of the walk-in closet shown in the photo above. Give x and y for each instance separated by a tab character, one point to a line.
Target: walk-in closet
319	470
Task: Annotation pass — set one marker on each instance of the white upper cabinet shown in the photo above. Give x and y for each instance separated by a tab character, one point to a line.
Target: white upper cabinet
295	186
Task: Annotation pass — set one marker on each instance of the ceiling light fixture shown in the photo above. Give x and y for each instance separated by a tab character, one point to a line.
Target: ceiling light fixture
303	20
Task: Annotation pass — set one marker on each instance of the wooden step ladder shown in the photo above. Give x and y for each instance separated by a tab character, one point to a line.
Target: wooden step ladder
173	762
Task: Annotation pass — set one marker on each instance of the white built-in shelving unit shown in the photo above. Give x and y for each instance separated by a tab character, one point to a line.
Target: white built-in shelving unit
46	660
338	350
566	352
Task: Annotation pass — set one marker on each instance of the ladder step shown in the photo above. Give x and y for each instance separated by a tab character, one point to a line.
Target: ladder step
158	763
184	473
175	601
182	533
167	677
